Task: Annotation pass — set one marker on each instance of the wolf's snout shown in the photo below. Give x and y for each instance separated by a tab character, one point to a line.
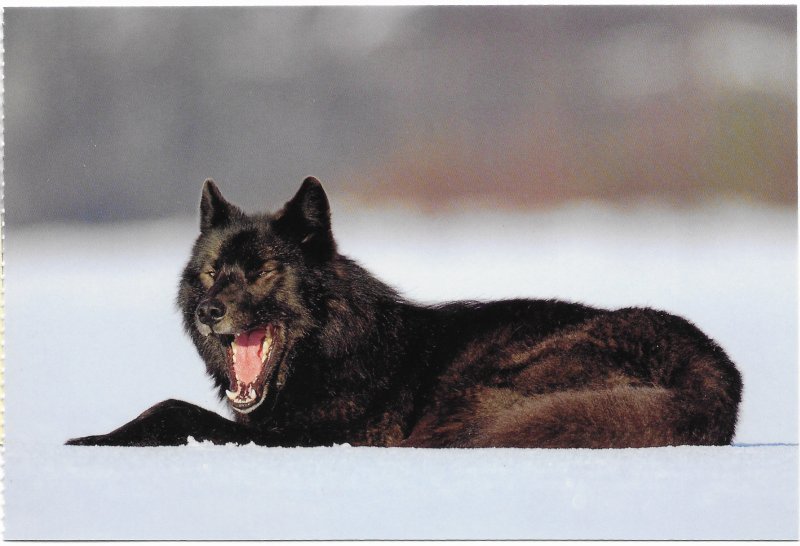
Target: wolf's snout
210	312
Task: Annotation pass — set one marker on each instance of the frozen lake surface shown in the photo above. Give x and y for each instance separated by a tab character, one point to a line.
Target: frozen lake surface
93	338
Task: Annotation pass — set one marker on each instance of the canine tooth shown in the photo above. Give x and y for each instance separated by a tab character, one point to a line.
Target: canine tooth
265	347
231	395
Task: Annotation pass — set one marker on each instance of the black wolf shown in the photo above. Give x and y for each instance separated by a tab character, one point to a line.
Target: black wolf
310	349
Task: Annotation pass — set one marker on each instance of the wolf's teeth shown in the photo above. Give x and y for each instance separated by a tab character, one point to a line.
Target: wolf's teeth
265	347
231	395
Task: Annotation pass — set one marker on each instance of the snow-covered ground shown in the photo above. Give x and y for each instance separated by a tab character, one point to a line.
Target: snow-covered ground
208	492
92	339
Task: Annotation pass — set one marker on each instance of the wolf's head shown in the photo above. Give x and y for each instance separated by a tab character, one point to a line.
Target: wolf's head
248	292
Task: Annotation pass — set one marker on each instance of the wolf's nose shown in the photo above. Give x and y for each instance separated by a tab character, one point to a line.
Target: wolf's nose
210	311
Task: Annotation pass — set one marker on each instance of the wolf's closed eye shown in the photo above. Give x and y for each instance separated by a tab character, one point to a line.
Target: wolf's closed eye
207	277
263	275
267	271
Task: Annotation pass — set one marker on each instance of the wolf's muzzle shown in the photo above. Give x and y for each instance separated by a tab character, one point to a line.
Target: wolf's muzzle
210	312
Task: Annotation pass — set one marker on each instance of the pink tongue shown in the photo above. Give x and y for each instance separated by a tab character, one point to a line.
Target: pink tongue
247	351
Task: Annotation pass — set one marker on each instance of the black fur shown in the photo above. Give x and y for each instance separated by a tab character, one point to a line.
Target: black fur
357	363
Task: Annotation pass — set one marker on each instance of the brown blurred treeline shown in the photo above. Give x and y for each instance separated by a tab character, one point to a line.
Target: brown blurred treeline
737	146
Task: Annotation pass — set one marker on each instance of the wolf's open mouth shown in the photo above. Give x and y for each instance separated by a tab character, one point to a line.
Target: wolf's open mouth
252	358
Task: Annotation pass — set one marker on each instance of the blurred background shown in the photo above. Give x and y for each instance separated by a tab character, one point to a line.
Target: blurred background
617	156
116	114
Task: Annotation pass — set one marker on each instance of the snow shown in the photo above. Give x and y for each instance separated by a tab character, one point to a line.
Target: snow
207	492
93	339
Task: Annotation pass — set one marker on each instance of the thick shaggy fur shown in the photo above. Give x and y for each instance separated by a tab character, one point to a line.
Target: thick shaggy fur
360	364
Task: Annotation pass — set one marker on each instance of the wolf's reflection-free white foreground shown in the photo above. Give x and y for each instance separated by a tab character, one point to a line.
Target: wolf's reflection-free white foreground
93	338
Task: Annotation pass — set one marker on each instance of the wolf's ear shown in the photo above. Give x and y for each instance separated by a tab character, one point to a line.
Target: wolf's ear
306	219
215	211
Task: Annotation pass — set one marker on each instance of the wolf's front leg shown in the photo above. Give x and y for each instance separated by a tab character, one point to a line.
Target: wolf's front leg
170	423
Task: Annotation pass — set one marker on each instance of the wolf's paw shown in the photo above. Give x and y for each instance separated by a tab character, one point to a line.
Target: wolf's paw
98	440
